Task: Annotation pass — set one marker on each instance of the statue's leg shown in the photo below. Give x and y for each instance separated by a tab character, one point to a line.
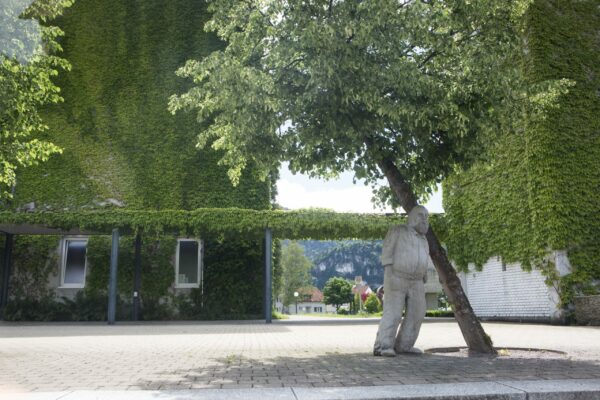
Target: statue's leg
392	315
415	314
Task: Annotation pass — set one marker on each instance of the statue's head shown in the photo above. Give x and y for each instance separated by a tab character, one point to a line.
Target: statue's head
418	219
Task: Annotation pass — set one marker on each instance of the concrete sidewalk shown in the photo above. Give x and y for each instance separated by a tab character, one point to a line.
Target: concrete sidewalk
178	358
579	389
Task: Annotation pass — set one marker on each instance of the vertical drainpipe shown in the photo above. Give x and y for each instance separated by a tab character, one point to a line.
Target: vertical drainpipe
137	276
7	261
268	278
112	283
6	270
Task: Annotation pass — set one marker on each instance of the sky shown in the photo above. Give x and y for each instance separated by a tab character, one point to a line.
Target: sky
300	191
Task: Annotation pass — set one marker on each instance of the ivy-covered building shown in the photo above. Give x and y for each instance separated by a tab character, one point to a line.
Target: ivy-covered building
536	200
122	149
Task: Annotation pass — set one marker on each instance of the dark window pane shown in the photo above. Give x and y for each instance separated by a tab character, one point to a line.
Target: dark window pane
75	263
188	262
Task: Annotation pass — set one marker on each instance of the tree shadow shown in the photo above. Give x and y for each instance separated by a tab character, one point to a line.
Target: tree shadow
362	369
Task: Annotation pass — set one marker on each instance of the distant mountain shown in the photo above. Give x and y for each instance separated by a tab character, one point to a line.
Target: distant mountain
347	259
314	248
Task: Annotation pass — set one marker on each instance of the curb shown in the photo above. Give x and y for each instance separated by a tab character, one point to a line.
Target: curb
571	389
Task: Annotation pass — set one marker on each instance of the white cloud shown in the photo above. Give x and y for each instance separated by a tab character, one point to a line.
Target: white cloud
342	195
355	198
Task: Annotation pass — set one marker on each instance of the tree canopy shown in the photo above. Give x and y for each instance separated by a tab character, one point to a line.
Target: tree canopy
337	291
339	85
28	62
295	271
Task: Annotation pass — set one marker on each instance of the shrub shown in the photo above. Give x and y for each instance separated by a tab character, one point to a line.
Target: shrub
439	313
372	304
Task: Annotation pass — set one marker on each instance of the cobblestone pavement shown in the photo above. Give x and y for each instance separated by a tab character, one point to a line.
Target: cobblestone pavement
54	357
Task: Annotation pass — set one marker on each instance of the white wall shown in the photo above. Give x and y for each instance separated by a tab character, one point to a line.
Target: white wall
309	307
510	293
433	282
431	301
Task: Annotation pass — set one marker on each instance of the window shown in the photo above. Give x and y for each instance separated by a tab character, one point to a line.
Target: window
73	263
318	309
187	263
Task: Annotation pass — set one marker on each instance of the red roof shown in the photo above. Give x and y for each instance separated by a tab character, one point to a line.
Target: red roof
316	296
364	289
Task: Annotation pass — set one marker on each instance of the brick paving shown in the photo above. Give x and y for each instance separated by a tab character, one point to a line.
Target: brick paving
55	357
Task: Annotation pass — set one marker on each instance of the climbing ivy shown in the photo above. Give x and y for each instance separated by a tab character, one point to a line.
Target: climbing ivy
29	58
120	144
37	256
539	189
297	224
123	149
157	272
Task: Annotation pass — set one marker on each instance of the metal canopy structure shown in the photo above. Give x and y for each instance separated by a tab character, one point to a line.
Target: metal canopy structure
287	224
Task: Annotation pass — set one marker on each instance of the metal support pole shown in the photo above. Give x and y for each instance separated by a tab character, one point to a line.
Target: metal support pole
268	279
137	276
112	283
6	270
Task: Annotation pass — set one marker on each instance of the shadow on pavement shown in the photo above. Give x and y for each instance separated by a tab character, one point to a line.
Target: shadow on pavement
365	370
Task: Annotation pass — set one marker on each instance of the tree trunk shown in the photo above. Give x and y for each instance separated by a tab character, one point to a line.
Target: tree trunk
475	337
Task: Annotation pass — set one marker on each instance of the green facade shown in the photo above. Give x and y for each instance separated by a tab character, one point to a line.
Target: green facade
119	140
540	189
122	148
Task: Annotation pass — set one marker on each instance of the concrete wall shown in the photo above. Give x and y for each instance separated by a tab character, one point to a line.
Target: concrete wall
507	292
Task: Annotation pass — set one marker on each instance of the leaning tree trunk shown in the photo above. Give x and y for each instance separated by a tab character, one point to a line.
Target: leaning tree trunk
472	331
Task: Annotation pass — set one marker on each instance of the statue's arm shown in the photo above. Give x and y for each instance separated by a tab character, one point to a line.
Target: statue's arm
429	266
389	243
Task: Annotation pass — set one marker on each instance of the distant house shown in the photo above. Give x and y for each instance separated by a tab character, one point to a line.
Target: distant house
363	289
310	300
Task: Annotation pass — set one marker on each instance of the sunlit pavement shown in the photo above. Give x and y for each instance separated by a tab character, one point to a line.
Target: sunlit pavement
55	357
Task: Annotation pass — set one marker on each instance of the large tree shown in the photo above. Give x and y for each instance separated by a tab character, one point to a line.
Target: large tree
28	61
295	271
403	90
337	291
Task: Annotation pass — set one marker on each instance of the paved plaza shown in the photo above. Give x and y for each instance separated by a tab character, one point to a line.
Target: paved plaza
56	357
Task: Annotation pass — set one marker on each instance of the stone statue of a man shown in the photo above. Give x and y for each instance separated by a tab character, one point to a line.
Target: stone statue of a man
405	258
